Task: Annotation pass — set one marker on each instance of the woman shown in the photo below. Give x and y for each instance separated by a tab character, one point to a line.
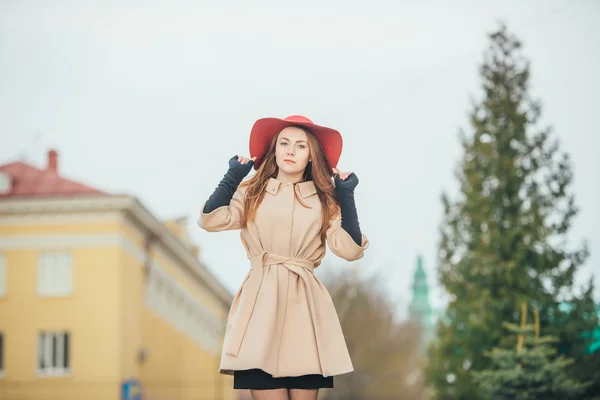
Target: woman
283	338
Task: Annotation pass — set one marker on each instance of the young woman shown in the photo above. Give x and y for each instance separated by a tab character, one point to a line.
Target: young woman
283	338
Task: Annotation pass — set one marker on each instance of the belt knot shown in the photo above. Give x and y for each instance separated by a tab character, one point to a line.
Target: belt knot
267	258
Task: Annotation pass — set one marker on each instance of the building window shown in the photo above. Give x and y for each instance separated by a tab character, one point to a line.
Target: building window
53	353
54	274
2	275
1	354
189	320
161	294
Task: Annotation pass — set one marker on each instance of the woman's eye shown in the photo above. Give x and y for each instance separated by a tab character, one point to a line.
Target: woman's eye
302	146
283	143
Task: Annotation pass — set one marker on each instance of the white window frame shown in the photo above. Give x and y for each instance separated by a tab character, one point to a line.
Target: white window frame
3	275
48	286
44	343
179	313
2	354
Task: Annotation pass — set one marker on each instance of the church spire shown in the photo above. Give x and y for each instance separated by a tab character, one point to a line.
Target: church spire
420	309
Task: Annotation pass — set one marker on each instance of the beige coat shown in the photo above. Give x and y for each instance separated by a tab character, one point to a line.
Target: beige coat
282	319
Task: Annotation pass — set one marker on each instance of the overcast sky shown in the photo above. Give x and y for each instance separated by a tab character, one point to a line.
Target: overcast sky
152	99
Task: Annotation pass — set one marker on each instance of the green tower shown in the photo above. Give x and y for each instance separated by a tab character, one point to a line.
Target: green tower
595	346
420	309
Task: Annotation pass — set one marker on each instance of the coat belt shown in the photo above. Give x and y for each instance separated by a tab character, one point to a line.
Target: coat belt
302	268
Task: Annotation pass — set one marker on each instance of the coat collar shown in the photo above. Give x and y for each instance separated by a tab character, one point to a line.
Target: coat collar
306	188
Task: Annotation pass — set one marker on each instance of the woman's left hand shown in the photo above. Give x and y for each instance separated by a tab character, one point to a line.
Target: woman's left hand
345	180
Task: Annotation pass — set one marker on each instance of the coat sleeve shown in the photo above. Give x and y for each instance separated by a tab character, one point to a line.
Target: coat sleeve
224	218
341	243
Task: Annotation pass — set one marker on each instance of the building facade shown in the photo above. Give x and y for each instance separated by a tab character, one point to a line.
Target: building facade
99	299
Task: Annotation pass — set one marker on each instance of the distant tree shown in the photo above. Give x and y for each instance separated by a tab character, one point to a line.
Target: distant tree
385	352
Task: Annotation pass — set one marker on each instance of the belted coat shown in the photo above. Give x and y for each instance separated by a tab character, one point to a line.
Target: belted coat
282	319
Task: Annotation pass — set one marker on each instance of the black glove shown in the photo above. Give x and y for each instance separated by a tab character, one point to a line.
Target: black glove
345	196
228	185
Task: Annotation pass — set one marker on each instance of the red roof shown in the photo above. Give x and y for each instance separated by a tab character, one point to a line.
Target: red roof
27	180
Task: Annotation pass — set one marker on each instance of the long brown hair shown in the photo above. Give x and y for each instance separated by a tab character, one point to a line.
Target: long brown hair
317	170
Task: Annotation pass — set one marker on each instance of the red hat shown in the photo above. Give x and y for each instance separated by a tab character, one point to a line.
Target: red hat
265	128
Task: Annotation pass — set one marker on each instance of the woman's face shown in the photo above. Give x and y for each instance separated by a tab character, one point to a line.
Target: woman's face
292	152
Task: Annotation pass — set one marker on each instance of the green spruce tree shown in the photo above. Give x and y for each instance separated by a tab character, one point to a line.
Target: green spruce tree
504	239
530	370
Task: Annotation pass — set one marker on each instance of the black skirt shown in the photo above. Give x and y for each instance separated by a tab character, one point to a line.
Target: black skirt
258	379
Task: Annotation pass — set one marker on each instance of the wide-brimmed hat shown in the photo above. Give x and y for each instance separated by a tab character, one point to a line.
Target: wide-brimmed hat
265	128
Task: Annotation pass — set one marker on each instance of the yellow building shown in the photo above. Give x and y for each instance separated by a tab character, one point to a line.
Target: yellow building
99	299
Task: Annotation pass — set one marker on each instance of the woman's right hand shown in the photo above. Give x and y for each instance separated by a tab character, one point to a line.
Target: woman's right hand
241	166
245	160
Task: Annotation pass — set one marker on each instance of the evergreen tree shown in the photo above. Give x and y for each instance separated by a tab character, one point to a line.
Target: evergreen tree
530	371
504	240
